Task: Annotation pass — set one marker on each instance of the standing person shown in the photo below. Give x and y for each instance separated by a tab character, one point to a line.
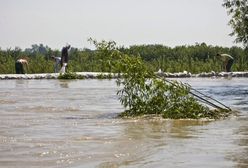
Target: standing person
19	66
64	58
227	61
57	63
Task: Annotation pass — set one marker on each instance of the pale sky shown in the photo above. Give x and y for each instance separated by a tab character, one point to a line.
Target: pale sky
127	22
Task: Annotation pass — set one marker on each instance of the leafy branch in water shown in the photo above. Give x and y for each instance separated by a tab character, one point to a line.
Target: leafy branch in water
143	93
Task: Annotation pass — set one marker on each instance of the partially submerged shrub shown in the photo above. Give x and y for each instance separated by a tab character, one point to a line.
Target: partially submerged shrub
143	93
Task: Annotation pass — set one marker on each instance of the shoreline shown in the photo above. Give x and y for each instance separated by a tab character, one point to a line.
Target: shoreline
104	75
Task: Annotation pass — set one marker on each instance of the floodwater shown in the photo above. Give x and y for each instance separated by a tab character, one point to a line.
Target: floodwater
55	123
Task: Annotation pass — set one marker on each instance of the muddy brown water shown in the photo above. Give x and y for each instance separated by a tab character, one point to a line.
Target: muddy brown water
56	123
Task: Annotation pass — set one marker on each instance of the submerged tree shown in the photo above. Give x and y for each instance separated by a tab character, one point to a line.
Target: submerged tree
142	92
238	9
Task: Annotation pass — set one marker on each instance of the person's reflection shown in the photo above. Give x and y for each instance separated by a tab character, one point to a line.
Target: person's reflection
21	83
64	83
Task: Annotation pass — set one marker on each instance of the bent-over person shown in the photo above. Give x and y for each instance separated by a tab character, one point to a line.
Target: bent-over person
57	63
227	61
19	66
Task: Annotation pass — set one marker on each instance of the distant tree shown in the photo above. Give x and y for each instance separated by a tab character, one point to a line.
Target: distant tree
38	49
238	9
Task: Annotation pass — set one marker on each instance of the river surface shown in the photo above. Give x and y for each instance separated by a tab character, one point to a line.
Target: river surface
56	123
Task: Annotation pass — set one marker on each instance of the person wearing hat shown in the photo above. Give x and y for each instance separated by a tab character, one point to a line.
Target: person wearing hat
64	58
19	66
227	61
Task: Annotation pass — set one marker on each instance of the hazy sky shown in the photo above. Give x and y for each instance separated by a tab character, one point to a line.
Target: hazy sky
128	22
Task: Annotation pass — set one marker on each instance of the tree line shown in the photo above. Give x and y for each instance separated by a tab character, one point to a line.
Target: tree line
192	58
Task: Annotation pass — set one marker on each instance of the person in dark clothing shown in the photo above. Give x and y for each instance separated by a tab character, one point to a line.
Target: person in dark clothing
227	61
64	58
19	66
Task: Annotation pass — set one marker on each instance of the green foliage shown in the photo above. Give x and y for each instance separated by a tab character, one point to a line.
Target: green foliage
7	63
104	76
69	75
105	54
239	19
39	64
143	93
195	59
